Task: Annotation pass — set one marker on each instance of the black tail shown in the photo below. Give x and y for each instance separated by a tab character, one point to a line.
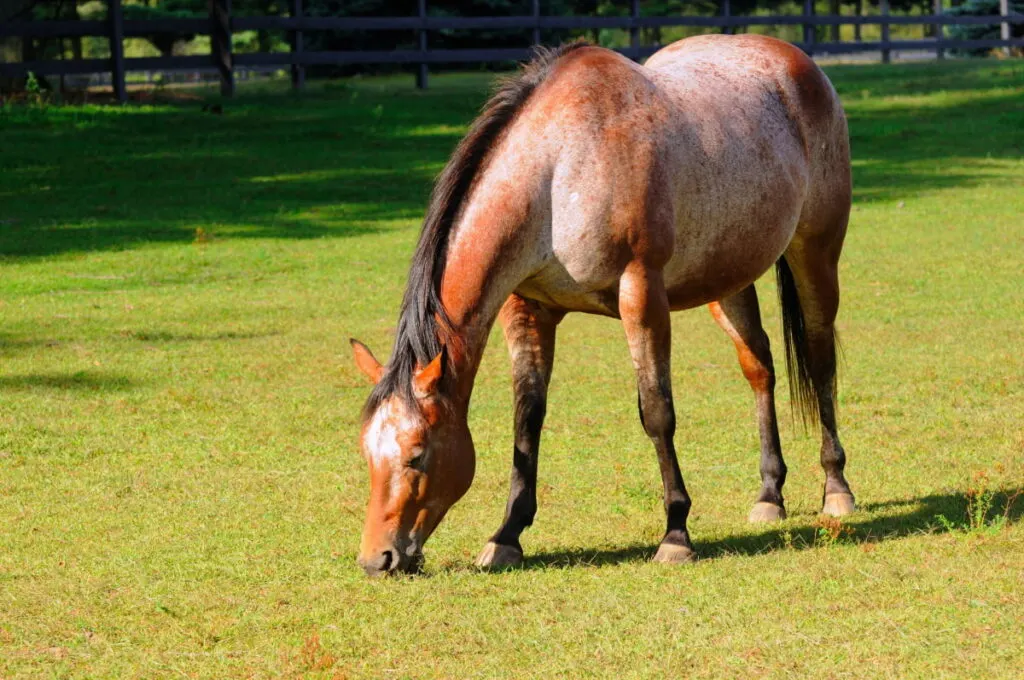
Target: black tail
802	394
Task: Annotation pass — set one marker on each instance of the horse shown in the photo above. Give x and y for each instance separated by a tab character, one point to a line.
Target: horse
590	183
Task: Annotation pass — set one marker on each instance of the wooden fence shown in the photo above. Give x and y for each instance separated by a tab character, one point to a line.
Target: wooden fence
221	24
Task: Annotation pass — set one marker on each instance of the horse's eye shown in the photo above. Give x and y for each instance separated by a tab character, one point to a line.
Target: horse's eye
418	461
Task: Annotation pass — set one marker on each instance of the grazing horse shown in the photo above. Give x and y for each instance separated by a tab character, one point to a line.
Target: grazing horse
590	183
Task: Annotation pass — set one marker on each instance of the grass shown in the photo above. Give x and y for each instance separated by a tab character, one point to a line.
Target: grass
181	492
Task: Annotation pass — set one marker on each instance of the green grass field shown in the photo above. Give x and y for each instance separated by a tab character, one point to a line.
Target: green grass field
181	492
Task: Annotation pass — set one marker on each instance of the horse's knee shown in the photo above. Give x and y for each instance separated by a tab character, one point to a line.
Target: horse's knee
530	409
657	416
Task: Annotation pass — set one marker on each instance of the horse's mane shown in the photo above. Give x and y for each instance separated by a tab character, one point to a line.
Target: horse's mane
423	324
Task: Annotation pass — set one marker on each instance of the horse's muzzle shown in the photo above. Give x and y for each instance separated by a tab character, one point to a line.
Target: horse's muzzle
391	561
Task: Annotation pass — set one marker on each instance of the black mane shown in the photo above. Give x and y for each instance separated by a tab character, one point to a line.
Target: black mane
423	324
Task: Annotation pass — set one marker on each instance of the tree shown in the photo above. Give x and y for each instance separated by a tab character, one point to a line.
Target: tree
29	49
979	8
166	9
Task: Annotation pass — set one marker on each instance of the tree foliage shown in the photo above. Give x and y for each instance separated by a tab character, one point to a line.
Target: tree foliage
979	8
265	41
167	9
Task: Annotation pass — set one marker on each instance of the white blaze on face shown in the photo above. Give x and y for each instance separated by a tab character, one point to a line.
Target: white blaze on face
381	439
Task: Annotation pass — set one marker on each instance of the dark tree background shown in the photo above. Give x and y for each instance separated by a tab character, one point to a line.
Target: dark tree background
14	49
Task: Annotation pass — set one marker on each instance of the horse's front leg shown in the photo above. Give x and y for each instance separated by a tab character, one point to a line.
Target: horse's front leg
530	335
643	306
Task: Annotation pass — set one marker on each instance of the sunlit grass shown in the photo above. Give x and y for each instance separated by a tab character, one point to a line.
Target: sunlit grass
180	487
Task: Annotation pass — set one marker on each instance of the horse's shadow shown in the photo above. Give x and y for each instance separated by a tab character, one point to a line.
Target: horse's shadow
939	513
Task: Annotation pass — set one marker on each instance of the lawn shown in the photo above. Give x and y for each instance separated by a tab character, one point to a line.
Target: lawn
181	491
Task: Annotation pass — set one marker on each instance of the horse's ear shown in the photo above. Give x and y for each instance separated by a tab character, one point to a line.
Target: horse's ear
366	362
425	380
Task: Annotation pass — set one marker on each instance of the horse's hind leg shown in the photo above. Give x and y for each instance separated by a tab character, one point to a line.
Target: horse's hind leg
740	318
813	263
643	306
530	335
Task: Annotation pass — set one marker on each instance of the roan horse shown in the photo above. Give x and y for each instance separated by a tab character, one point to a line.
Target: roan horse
590	183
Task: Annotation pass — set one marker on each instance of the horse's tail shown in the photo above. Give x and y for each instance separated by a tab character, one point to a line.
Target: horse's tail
802	393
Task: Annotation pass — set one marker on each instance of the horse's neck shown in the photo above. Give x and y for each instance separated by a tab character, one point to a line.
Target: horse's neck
486	261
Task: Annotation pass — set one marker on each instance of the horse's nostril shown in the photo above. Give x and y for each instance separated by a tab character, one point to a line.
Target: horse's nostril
386	562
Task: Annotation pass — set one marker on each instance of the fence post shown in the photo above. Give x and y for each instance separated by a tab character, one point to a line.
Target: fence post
937	10
859	11
634	29
809	28
726	14
421	34
298	70
1004	26
883	8
536	22
117	50
220	44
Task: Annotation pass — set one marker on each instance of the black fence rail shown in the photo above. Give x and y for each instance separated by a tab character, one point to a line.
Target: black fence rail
220	24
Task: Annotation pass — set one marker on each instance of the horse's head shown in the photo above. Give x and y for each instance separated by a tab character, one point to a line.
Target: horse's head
421	460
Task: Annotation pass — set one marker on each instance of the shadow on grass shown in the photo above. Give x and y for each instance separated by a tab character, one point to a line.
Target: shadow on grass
11	345
905	149
167	336
853	80
95	381
290	170
345	163
922	518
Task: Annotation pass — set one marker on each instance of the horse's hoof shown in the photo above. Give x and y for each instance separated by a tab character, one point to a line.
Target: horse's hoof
838	504
498	556
670	553
766	512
